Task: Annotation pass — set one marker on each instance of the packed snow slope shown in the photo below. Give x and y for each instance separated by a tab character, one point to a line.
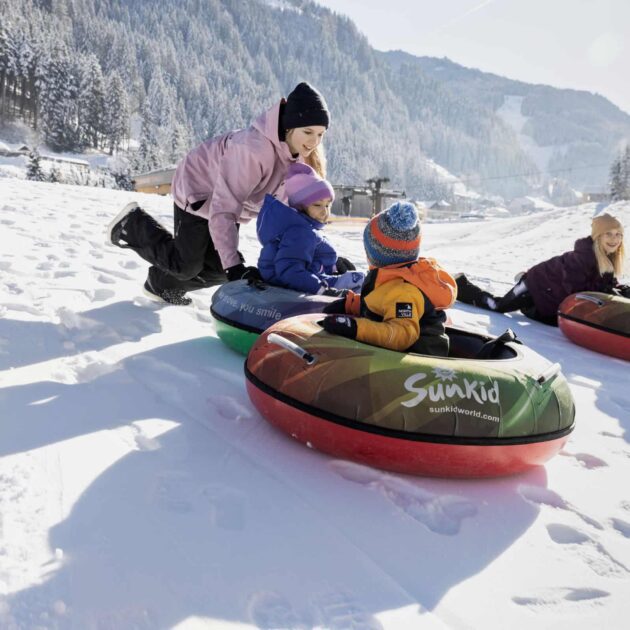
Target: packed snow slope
139	488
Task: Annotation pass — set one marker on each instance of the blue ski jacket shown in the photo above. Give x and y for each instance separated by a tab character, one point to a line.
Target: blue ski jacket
295	254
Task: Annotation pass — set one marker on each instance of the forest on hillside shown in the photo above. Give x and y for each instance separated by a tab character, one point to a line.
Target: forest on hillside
170	73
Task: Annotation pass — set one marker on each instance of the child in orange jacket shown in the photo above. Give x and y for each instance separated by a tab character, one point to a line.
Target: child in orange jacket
402	301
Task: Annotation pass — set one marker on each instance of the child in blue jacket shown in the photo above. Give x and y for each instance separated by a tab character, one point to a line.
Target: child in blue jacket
295	254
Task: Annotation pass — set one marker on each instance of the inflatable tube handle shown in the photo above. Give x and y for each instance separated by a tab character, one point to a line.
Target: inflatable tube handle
551	372
590	298
278	340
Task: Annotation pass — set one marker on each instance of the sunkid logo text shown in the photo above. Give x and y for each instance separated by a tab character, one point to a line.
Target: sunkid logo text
480	392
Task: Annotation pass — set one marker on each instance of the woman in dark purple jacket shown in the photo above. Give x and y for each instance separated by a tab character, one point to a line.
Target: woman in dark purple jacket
593	265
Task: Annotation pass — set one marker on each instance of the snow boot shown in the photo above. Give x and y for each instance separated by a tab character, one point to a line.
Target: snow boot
470	293
170	296
117	231
516	299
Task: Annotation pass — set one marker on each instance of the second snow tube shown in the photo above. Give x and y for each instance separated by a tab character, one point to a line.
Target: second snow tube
242	311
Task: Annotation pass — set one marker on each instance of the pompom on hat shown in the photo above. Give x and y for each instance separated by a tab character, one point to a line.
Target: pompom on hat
603	223
305	106
304	186
393	236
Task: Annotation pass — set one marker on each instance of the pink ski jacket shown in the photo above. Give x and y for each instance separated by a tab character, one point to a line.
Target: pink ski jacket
233	173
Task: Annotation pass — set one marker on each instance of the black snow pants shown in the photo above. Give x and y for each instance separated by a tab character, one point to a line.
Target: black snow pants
184	260
518	298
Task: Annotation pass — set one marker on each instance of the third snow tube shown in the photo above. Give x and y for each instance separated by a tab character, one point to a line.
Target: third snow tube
597	321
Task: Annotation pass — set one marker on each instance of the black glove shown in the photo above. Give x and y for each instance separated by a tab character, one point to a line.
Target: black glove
343	265
340	325
623	290
338	307
332	292
241	272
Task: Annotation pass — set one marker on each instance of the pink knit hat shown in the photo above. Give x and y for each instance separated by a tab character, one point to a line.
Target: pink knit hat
304	186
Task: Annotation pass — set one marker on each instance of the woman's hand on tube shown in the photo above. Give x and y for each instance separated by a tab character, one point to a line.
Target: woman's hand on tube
241	272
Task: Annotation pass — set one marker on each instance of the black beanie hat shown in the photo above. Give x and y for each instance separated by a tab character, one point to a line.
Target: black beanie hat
305	106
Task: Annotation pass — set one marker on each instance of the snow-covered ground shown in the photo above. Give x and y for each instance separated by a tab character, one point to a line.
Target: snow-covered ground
139	488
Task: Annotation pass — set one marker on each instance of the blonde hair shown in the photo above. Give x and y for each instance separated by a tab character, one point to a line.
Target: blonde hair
609	263
316	160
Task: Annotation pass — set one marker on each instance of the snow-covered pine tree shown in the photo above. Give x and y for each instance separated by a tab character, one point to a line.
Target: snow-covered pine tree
4	60
58	88
181	136
121	59
147	155
116	112
11	35
165	134
55	177
26	60
91	111
34	169
617	183
162	101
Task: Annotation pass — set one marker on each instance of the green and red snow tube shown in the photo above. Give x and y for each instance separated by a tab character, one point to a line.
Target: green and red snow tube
597	321
241	310
493	407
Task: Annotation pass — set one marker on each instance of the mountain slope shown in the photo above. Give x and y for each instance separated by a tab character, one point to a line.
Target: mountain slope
193	69
570	133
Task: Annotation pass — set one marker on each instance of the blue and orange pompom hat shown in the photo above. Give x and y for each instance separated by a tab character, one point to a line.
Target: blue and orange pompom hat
393	236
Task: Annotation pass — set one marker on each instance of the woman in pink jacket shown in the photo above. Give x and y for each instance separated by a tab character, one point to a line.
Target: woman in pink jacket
217	186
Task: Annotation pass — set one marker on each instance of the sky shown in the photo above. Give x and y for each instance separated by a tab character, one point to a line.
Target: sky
580	44
140	487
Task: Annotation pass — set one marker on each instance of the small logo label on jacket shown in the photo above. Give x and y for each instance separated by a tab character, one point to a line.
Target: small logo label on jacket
404	310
